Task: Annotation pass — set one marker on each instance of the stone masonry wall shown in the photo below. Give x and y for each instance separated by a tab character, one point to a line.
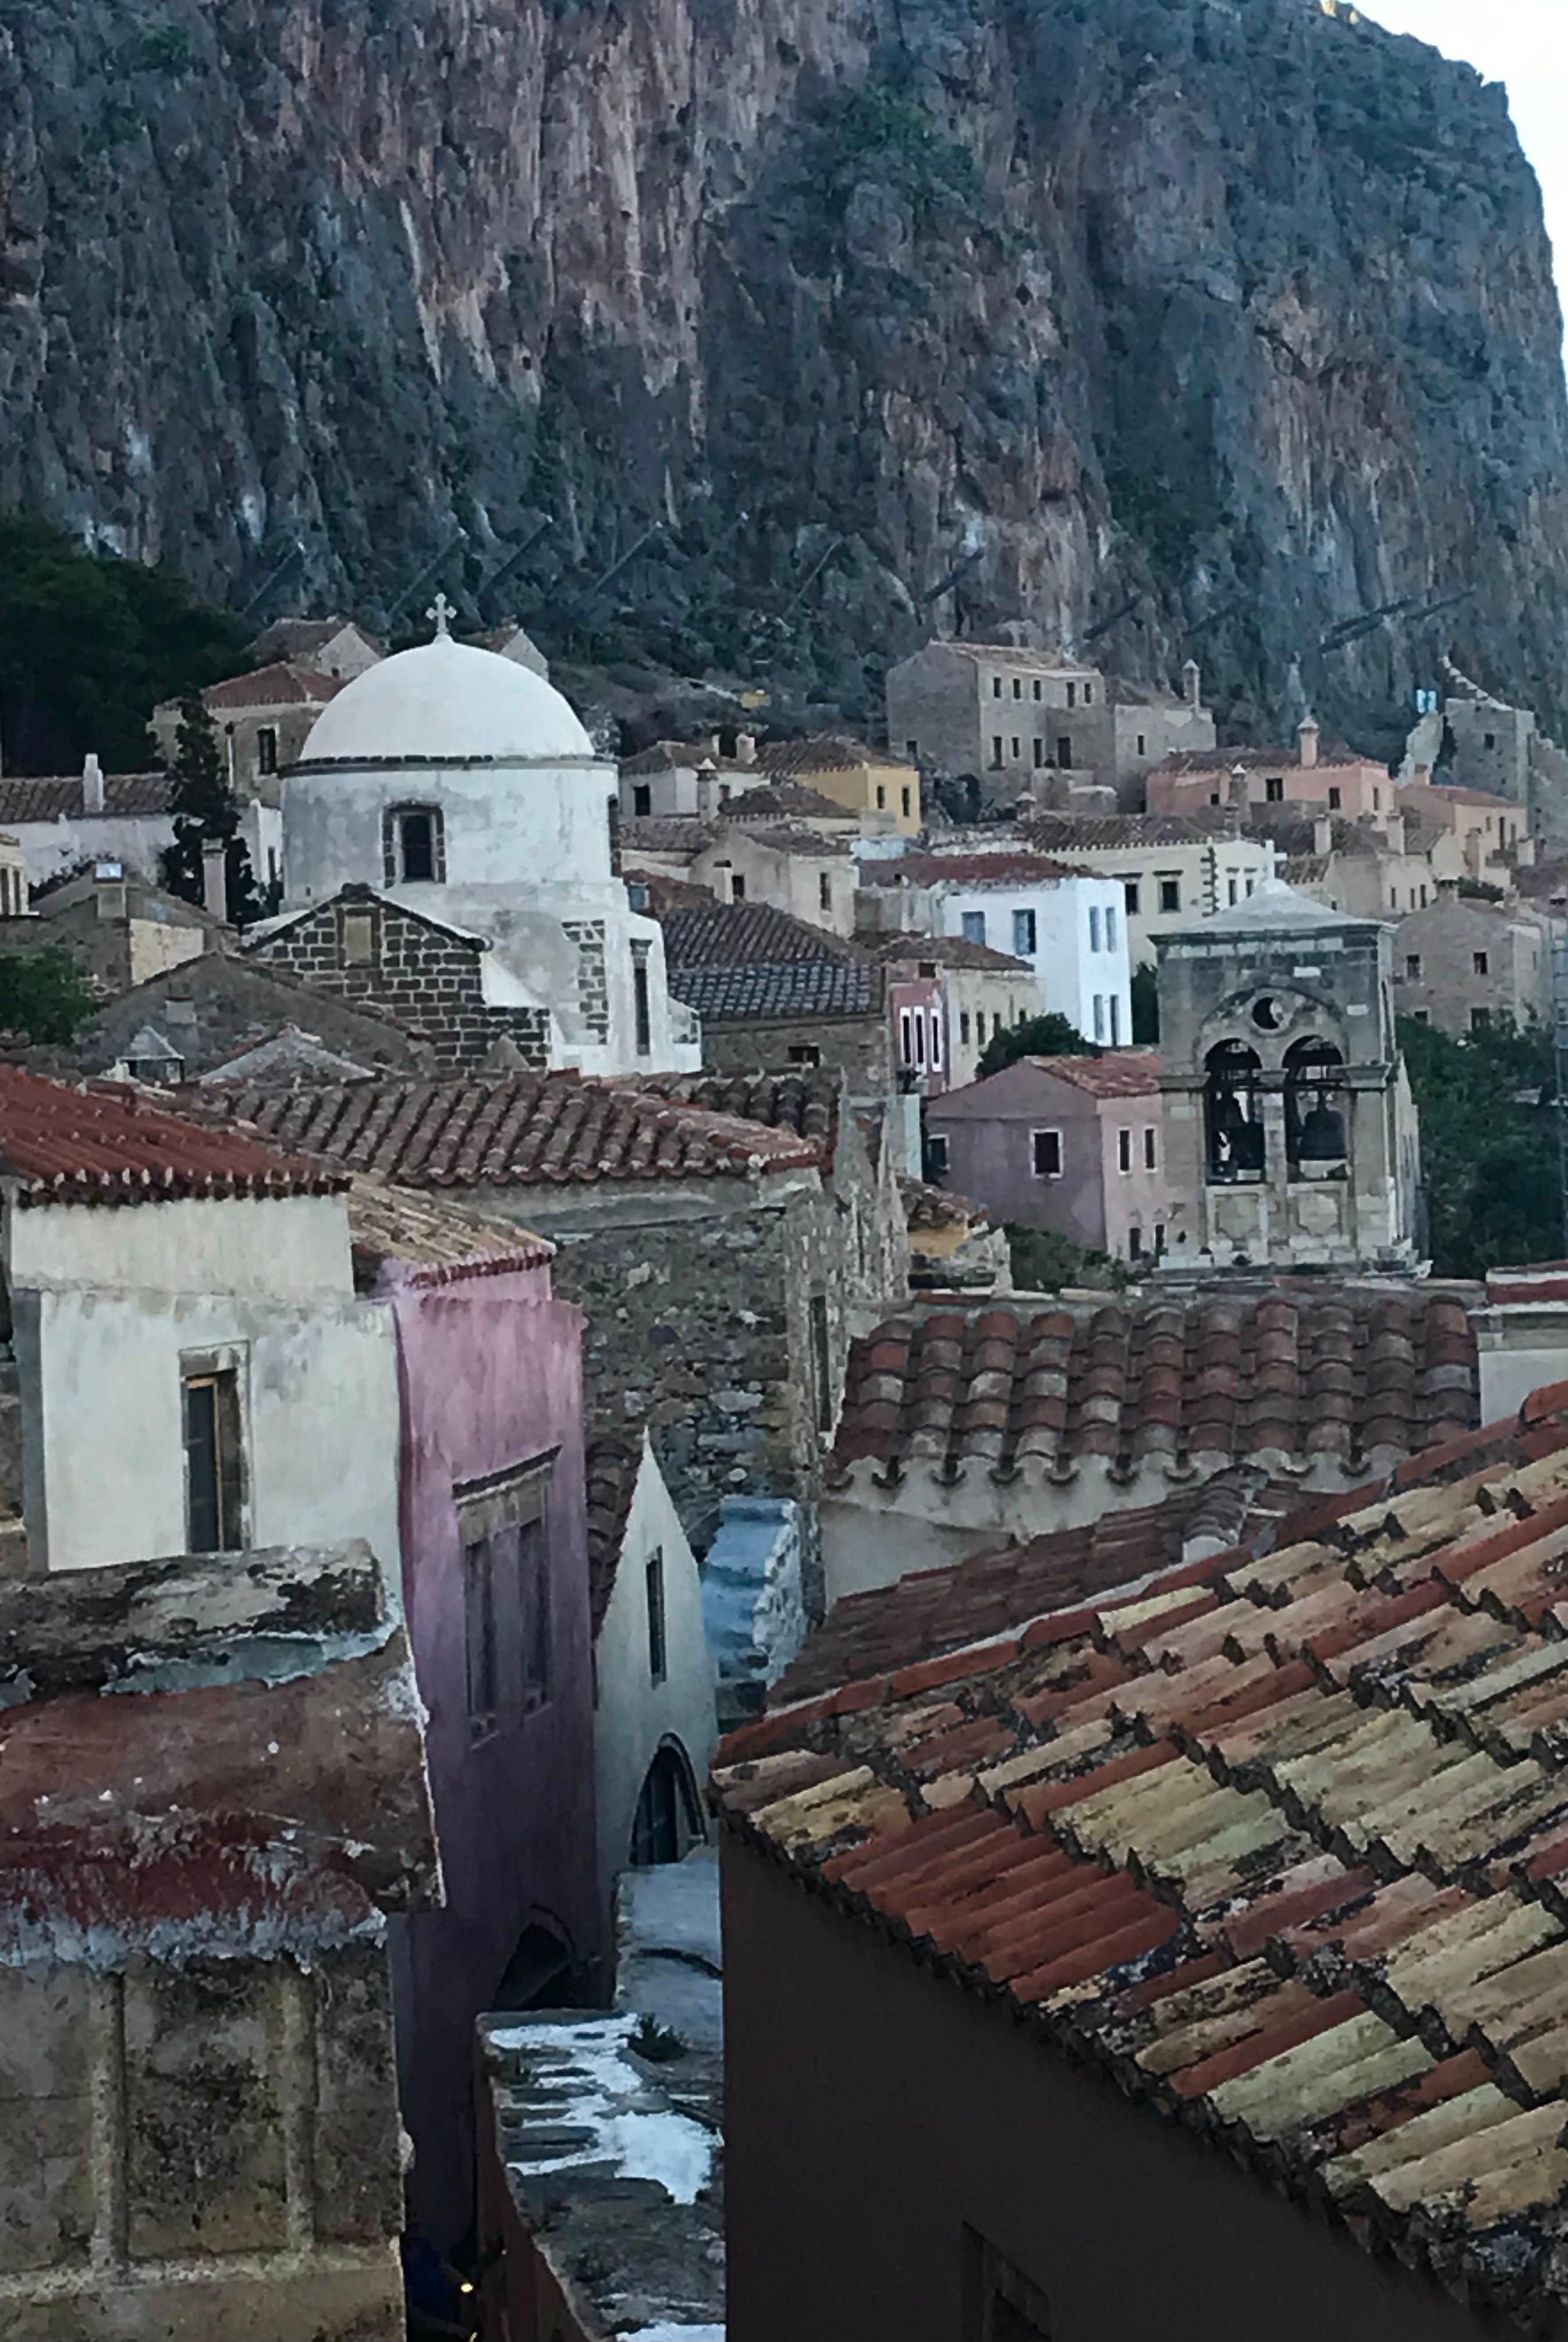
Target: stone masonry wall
419	973
860	1047
592	982
207	2154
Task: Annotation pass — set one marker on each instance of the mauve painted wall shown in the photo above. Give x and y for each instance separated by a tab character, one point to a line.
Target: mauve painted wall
491	1371
873	2110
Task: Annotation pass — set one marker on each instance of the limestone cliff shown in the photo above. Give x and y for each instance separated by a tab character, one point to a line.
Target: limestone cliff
1210	323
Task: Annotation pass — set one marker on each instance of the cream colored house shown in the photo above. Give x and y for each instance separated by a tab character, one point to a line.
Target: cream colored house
1174	869
869	781
782	864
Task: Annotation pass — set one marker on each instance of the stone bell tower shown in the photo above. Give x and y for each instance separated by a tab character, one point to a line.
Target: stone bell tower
1291	1134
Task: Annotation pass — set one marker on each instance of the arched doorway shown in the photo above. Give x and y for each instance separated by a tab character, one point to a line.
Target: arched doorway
1233	1115
538	1973
1316	1142
668	1820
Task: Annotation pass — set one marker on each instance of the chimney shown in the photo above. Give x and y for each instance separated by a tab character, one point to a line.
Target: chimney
92	786
1192	683
216	880
1238	789
1323	835
1307	742
745	747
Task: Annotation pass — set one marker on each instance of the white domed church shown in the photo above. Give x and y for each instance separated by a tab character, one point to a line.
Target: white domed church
447	855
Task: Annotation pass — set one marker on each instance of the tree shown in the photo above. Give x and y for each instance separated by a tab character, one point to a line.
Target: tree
89	645
1488	1145
1044	1261
1038	1037
43	994
206	813
1145	1007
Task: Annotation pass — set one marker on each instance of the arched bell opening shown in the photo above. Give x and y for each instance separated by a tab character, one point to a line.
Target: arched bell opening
1233	1116
1316	1146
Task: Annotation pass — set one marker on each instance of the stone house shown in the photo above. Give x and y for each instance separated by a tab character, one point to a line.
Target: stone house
1258	1950
1489	833
1072	1144
1002	710
118	928
1463	964
1373	868
213	1797
66	824
966	1428
1291	1134
1235	778
787	864
687	779
189	1291
1067	923
495	1590
876	785
262	720
982	992
796	802
197	1016
1172	867
655	1714
774	990
511	641
334	647
1484	745
715	1230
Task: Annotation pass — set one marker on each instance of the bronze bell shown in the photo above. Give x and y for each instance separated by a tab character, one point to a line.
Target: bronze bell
1323	1135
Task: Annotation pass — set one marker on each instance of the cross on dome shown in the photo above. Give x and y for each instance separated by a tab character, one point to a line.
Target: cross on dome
439	612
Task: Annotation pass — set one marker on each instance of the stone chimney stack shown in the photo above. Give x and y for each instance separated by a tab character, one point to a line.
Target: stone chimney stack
1322	836
745	747
1193	682
1238	789
215	881
1307	742
92	786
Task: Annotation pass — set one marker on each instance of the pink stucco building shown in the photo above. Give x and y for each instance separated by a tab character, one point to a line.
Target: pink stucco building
1331	781
1074	1144
496	1588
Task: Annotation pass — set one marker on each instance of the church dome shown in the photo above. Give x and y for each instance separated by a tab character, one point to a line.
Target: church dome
445	702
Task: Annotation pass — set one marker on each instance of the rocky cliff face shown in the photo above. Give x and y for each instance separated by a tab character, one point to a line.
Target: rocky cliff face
1183	325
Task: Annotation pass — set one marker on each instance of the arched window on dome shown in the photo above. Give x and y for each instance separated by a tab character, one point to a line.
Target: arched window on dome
413	845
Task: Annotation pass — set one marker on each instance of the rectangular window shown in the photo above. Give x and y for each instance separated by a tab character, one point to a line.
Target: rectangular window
937	1154
1333	800
1017	687
1099	1017
997	686
1170	893
1045	1153
1023	934
1017	749
1072	695
1037	689
882	796
1492	739
906	1037
825	888
358	935
1143	751
642	1017
416	847
642	798
1093	926
1115	1020
1159	1238
1274	789
806	1053
737	887
1252	883
1480	963
533	1615
214	1461
822	1362
1111	926
1480	1019
963	1026
911	750
1064	753
1088	694
1135	1243
1124	1150
973	925
906	802
918	1022
996	748
1130	895
937	1041
653	1581
1424	898
980	1028
479	1619
1039	754
266	750
1151	1148
1231	886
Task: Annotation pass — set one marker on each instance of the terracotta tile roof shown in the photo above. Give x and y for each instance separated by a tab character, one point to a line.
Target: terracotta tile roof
784	838
827	752
611	1465
1304	1372
783	799
805	1101
1052	661
293	640
107	1145
1281	1845
435	1242
946	951
676	834
59	797
1120	1072
676	755
282	685
1121	831
929	1207
517	1130
664	894
1437	796
999	869
736	961
1333	757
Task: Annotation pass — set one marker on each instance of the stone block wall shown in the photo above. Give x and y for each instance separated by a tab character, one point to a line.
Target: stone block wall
201	2154
422	974
593	982
860	1047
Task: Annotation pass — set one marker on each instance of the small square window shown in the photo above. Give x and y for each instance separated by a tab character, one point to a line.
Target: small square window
1045	1147
1170	893
1274	789
974	924
1412	967
806	1053
1333	800
1480	1020
1421	1015
358	938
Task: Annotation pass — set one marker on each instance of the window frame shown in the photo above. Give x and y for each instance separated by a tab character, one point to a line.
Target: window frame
1054	1135
505	1516
222	1372
655	1604
1125	1150
1025	923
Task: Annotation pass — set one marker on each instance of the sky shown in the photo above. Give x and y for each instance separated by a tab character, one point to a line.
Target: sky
1524	44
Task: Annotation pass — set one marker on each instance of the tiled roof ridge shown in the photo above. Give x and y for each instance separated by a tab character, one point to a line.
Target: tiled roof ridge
1280	1846
105	1143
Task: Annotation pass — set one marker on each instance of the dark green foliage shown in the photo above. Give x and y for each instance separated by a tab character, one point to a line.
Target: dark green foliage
1037	1037
43	994
163	48
658	2045
1489	1146
1477	890
1145	1008
89	648
207	812
1043	1262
